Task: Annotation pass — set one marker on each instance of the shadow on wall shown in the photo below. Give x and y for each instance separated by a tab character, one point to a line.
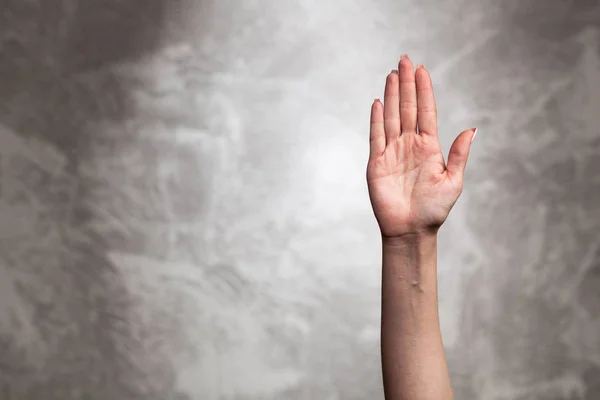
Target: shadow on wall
51	51
530	326
63	310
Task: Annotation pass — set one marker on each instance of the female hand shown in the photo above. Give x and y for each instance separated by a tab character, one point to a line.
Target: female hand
411	188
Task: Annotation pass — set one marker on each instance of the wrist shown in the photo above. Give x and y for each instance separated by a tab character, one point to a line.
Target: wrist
410	261
410	239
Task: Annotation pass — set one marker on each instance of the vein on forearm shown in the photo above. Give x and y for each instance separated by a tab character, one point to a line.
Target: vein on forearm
409	282
414	365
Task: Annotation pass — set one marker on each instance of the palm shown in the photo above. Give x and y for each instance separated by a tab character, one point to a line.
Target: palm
411	188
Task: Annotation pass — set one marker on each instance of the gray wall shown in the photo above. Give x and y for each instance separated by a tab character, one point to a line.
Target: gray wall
183	208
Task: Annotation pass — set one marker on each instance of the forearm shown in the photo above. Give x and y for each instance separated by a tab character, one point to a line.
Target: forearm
413	361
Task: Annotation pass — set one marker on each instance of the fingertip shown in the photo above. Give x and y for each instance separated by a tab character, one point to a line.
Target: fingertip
474	133
377	110
405	64
422	76
377	105
377	131
404	61
393	77
421	73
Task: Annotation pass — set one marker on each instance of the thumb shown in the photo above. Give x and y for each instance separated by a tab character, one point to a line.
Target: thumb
459	153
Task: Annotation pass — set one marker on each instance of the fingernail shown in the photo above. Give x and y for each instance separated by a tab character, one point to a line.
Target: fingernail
474	133
419	66
404	56
394	71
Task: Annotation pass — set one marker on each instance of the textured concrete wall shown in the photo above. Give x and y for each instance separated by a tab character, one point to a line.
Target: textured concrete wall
183	208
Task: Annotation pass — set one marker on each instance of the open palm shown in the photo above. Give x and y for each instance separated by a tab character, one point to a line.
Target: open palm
411	188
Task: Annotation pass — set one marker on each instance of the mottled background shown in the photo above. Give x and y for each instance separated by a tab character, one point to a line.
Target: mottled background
183	207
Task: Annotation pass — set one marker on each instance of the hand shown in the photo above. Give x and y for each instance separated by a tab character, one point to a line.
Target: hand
411	188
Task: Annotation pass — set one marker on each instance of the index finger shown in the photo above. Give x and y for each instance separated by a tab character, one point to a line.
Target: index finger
426	107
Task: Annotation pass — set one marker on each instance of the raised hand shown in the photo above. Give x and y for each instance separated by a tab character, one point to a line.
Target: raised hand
411	188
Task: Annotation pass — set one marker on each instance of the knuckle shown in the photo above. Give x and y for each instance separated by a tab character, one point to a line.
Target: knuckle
428	109
408	105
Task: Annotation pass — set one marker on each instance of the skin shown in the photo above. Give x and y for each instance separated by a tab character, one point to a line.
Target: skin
412	190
